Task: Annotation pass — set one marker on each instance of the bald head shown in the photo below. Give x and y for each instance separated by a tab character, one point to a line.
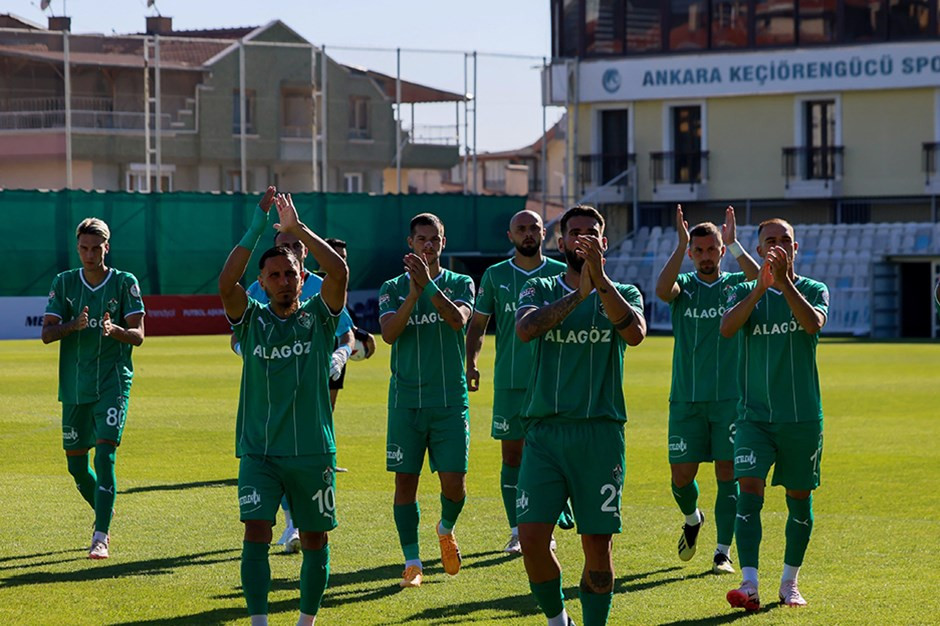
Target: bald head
526	232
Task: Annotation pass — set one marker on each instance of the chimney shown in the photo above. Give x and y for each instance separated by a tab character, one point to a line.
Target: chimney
159	25
60	23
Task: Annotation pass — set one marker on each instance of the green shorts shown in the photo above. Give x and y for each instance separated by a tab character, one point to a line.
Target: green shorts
507	404
443	431
701	432
794	449
308	482
581	460
84	424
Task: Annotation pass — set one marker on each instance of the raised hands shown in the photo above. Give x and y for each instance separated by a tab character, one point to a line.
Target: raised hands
268	199
728	229
682	228
417	268
81	322
285	212
106	325
592	272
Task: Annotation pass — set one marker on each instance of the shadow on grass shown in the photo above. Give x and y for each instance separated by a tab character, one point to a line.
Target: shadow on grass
24	557
224	482
152	567
726	618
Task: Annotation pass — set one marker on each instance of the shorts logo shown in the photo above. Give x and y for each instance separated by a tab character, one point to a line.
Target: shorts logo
69	435
745	459
617	474
394	455
305	319
500	424
328	476
677	447
249	500
522	502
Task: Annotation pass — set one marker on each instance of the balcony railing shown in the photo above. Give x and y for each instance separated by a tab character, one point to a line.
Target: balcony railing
930	153
435	134
93	113
678	168
812	163
598	169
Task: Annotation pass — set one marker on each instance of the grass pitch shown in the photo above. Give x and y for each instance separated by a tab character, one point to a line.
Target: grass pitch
176	538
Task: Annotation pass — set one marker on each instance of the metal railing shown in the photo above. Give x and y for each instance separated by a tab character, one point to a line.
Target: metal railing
812	163
595	170
677	168
435	134
93	113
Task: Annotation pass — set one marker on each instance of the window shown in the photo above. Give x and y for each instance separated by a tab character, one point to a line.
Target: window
687	144
819	124
297	113
729	23
817	21
601	32
643	28
359	127
908	19
233	180
773	22
249	112
688	24
135	178
352	182
861	20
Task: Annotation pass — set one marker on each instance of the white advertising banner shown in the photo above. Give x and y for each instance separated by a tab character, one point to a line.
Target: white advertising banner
21	318
887	66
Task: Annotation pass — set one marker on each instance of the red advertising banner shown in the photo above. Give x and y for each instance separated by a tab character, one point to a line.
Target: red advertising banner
185	315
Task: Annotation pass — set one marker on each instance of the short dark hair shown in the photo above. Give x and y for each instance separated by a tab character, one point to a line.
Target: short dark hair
774	220
581	210
336	244
278	251
704	230
426	219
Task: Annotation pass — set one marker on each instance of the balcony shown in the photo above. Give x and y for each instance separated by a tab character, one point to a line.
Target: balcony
679	176
812	171
94	114
932	180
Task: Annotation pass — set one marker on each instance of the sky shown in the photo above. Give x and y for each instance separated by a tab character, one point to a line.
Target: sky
509	113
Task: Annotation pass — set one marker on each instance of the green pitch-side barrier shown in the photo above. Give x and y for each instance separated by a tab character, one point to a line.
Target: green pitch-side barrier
176	243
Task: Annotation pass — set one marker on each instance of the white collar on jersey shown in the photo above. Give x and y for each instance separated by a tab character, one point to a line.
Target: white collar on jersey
564	285
780	293
709	285
81	274
527	273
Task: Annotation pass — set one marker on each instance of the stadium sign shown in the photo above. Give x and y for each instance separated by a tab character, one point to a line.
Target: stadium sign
21	318
888	66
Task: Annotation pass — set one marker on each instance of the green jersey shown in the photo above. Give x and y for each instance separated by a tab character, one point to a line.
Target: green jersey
777	372
577	366
89	363
428	356
284	403
703	362
498	296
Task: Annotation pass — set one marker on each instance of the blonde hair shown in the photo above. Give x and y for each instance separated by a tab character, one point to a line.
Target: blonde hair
93	226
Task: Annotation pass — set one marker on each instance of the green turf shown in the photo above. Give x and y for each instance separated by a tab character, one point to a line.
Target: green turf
176	537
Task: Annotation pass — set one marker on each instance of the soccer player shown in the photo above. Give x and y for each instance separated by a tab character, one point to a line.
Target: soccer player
290	538
497	296
97	313
704	397
423	313
780	417
580	323
284	429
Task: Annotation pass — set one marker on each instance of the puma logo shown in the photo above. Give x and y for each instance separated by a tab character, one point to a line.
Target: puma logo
743	517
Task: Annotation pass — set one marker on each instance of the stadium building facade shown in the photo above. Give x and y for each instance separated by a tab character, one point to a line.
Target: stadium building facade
825	112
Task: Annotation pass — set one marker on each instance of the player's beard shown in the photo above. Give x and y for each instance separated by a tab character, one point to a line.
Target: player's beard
708	269
574	261
530	249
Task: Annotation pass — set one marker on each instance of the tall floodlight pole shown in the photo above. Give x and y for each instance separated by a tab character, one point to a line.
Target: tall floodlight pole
242	105
398	119
466	125
66	60
158	122
324	117
475	103
146	115
315	182
544	168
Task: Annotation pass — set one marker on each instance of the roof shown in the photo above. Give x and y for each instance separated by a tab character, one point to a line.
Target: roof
114	52
533	150
10	20
411	93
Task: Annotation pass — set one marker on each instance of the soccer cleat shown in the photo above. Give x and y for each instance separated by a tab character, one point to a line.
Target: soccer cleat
721	564
292	545
286	535
566	519
411	577
744	597
790	594
553	545
513	546
689	537
99	549
450	553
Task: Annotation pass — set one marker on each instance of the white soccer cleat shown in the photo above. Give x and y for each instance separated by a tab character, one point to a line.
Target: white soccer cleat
292	545
513	546
790	594
99	549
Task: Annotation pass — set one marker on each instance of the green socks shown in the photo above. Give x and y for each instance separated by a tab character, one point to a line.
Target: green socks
549	596
726	507
314	576
104	494
84	477
256	576
407	517
595	607
747	528
799	528
450	511
686	497
508	479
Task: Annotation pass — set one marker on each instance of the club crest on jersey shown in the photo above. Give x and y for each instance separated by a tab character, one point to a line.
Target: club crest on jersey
305	319
528	292
249	500
394	456
617	474
745	459
112	305
135	290
677	447
328	476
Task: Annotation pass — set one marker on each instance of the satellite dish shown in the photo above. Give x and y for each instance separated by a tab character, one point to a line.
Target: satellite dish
150	3
44	4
